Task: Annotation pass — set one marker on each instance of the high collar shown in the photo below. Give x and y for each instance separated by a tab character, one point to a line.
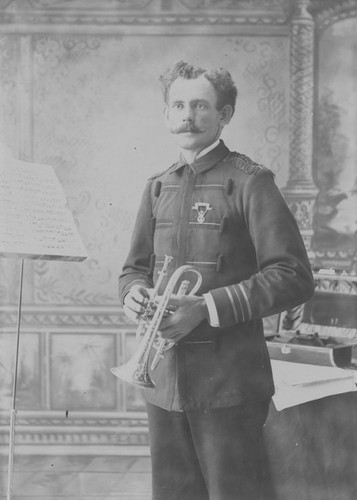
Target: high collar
206	162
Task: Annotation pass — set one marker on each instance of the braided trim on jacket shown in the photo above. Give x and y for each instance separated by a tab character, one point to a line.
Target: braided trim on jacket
246	164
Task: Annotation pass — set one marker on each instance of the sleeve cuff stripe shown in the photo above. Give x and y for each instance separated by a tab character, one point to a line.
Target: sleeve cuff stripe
240	303
244	293
232	304
212	310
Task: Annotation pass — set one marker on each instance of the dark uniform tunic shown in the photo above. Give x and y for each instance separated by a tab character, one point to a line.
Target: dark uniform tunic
224	215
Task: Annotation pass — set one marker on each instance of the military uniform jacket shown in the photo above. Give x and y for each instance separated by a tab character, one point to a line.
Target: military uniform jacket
224	215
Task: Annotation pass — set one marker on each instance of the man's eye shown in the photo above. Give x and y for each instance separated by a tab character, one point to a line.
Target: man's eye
201	106
177	105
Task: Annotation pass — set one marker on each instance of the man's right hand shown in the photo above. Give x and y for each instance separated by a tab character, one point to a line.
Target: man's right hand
135	302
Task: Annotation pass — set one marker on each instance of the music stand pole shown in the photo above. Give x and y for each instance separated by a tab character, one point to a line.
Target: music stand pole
14	387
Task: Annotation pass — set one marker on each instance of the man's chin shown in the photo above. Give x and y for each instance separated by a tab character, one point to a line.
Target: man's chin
187	140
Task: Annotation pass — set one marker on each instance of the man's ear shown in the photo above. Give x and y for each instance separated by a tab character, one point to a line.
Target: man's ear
226	114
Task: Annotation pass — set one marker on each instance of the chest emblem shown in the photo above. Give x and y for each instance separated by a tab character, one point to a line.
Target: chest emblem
202	209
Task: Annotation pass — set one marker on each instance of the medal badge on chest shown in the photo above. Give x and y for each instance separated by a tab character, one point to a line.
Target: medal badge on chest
202	209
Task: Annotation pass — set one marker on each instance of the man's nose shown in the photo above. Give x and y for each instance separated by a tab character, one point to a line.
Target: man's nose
188	114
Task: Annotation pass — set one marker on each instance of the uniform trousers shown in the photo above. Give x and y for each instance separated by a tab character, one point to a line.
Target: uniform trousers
207	455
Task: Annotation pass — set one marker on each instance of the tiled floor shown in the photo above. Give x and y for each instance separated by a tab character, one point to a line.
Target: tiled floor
77	478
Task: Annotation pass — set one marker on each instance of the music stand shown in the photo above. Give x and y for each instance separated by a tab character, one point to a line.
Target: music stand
35	223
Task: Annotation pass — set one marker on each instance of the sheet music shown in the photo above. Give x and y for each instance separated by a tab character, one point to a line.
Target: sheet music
35	221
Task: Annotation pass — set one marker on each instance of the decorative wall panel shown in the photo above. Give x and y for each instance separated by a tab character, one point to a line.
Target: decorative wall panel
29	389
98	122
79	371
66	394
336	130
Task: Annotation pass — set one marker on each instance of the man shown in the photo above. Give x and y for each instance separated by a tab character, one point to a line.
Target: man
222	213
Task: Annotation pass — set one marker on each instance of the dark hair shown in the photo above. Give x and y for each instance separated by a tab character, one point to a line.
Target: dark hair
220	78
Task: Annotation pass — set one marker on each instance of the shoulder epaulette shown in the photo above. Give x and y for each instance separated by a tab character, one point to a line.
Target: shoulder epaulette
247	165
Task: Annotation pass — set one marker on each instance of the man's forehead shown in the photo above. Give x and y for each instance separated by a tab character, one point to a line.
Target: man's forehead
192	88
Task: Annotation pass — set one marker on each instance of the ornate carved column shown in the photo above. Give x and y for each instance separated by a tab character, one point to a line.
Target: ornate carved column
300	191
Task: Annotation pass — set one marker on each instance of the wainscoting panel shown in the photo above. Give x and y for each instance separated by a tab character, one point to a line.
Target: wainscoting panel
67	399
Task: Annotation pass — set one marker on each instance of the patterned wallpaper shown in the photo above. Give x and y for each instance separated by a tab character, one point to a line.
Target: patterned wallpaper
8	91
97	119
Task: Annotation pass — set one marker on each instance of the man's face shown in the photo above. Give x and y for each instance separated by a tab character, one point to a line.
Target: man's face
192	115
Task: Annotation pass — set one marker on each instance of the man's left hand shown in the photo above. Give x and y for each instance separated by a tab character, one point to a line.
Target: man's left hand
190	311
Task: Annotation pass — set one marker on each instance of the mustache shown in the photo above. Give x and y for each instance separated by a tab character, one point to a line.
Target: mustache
187	127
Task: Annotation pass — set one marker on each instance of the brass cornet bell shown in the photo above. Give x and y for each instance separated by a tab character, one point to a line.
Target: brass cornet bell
136	370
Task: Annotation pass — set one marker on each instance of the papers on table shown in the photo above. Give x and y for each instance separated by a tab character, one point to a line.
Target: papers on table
297	383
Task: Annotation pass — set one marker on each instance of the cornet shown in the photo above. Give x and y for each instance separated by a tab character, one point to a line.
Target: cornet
136	370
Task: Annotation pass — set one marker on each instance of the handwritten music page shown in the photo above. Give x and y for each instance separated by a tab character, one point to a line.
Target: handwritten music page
35	221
